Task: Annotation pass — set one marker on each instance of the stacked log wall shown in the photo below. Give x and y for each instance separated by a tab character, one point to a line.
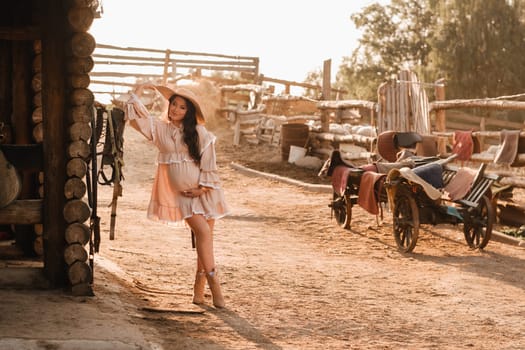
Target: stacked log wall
38	134
77	210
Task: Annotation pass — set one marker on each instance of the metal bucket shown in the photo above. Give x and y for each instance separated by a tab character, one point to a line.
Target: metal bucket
293	134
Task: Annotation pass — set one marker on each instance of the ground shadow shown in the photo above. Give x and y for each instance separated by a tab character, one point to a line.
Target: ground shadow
245	329
489	264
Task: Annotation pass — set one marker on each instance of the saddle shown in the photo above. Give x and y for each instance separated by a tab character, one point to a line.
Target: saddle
10	182
407	139
390	142
331	163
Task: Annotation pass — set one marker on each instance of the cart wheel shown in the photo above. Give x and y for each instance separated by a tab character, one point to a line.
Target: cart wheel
342	209
479	229
405	222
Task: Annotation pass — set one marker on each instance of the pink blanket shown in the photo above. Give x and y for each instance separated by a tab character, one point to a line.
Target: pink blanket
367	195
340	179
460	184
509	147
463	145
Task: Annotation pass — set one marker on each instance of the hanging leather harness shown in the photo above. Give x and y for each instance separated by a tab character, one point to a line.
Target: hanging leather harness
113	152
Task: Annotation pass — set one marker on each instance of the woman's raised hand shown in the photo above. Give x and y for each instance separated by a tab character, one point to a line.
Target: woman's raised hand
139	88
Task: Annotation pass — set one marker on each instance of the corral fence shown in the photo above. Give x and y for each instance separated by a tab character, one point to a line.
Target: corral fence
118	68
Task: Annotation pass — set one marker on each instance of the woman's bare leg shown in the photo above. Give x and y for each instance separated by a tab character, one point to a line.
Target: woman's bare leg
200	276
204	242
211	224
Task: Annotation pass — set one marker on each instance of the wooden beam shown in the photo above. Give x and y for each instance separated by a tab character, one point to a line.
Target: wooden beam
351	138
20	33
130	63
232	67
54	102
117	83
122	75
295	83
22	212
477	103
112	47
344	104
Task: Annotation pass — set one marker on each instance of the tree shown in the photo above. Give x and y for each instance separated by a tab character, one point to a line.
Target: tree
478	47
314	77
396	36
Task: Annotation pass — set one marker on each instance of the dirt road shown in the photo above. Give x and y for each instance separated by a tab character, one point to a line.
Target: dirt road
294	280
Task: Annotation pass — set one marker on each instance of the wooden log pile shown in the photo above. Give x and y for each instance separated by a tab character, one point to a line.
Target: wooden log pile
81	100
323	141
38	134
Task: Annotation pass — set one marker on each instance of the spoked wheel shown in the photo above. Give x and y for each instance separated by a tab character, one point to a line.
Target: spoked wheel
478	229
342	210
405	222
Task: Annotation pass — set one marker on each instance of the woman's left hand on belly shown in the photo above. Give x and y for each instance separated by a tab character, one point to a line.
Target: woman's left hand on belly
193	192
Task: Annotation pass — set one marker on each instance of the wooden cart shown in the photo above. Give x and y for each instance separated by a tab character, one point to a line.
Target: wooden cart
342	203
412	207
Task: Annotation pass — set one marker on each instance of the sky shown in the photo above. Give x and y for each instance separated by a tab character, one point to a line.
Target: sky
290	37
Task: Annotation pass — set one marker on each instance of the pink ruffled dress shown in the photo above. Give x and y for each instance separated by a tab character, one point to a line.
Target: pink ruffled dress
177	171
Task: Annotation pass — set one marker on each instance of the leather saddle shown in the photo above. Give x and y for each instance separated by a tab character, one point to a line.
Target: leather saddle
332	162
10	182
407	139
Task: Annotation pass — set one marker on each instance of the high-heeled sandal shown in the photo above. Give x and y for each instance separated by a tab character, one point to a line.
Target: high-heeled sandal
199	286
215	287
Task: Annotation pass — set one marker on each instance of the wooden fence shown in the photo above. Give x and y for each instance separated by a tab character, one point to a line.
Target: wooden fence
118	68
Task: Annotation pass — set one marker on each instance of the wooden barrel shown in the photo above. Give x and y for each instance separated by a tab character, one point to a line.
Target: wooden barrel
293	134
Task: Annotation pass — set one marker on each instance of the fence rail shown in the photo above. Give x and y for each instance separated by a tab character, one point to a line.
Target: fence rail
117	68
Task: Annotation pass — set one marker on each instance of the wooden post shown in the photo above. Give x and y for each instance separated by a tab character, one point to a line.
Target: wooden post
256	72
237	130
174	68
22	64
441	124
54	118
325	95
5	84
327	73
166	67
482	127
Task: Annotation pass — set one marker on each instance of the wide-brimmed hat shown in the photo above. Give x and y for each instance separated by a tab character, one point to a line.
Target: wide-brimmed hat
166	92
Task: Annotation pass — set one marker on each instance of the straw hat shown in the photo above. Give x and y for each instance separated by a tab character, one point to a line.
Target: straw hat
166	92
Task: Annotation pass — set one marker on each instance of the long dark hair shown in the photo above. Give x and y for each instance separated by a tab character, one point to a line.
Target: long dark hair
189	123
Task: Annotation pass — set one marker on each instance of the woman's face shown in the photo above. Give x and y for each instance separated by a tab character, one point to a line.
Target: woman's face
177	110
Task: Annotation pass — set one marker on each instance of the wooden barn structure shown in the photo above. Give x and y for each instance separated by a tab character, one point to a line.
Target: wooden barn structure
46	110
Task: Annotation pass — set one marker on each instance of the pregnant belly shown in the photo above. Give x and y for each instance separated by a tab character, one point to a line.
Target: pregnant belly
179	177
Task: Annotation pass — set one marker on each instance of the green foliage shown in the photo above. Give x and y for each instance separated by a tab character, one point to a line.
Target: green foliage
314	78
477	46
394	37
479	49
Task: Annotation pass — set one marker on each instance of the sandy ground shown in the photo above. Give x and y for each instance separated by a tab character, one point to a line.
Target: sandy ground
293	279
